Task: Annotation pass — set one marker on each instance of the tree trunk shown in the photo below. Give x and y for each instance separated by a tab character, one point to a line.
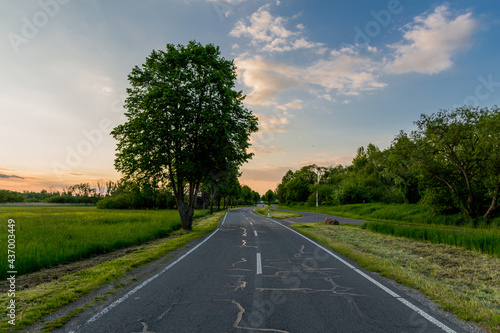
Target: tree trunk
494	205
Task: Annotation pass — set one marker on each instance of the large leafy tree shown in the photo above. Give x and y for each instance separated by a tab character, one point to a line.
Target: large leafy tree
459	149
185	121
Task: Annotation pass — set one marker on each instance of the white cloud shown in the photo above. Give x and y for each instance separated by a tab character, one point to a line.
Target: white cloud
270	34
428	44
342	72
324	159
265	79
275	123
295	104
431	41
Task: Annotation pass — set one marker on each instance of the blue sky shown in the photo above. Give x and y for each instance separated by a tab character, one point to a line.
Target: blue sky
324	77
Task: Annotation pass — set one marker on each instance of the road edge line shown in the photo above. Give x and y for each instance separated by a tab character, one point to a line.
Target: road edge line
146	282
372	280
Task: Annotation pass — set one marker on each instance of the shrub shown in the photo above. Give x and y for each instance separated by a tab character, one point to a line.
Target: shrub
120	201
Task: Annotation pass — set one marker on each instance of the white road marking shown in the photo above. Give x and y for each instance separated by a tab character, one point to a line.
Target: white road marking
259	264
255	233
146	282
375	282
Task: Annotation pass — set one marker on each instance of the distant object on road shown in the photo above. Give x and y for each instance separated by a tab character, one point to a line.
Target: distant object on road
331	221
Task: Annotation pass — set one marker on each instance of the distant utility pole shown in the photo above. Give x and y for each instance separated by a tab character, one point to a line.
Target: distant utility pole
317	207
317	196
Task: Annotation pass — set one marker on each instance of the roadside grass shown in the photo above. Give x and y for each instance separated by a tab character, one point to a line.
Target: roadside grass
481	240
414	222
35	303
462	282
47	236
276	214
396	213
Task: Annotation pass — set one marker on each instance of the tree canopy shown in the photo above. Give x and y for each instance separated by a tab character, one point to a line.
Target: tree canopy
450	162
185	121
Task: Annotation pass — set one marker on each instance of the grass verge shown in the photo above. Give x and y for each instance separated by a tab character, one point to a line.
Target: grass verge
33	304
276	214
47	236
481	240
462	282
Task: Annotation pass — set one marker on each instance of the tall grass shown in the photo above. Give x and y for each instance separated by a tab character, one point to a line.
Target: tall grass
47	236
481	240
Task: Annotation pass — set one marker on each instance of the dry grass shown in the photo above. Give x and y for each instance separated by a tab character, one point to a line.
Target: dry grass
463	282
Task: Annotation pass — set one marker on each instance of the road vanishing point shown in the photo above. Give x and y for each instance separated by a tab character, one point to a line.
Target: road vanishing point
255	274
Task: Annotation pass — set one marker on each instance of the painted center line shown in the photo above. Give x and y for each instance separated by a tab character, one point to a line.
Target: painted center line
259	264
255	232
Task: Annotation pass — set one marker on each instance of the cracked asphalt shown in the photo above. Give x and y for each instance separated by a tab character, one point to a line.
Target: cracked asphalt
255	274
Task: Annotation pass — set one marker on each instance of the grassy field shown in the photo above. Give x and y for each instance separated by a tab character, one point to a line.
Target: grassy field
463	282
36	302
276	214
47	236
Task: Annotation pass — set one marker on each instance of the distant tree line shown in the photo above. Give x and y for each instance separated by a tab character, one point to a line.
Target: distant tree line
83	193
225	192
450	162
218	192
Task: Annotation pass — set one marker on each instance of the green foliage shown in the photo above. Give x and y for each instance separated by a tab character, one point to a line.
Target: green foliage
119	201
483	240
10	196
351	194
268	197
185	121
450	164
459	149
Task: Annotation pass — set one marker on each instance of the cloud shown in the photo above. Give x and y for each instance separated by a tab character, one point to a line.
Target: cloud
10	176
345	72
295	104
431	41
274	123
270	34
324	159
265	78
427	46
270	150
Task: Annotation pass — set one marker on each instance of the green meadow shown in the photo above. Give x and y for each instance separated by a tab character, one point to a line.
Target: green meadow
47	236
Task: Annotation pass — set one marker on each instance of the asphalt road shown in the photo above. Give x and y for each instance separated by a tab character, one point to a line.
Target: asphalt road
315	217
254	274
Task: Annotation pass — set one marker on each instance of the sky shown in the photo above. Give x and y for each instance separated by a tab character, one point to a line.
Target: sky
324	77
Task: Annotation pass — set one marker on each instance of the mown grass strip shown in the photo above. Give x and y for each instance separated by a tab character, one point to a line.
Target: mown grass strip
462	282
35	303
480	240
276	214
